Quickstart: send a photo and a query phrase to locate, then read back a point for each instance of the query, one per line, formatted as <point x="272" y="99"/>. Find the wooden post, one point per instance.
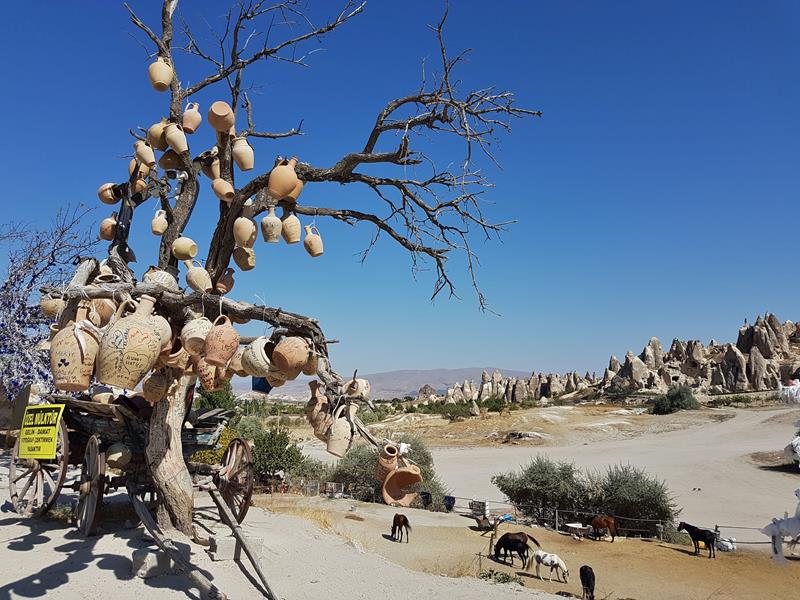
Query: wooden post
<point x="556" y="518"/>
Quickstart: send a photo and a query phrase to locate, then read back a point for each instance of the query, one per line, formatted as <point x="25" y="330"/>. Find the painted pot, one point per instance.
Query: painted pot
<point x="254" y="358"/>
<point x="387" y="461"/>
<point x="225" y="282"/>
<point x="178" y="358"/>
<point x="244" y="232"/>
<point x="290" y="227"/>
<point x="155" y="386"/>
<point x="394" y="486"/>
<point x="245" y="258"/>
<point x="108" y="227"/>
<point x="341" y="435"/>
<point x="235" y="364"/>
<point x="243" y="154"/>
<point x="184" y="248"/>
<point x="72" y="353"/>
<point x="206" y="373"/>
<point x="271" y="227"/>
<point x="221" y="116"/>
<point x="164" y="330"/>
<point x="155" y="135"/>
<point x="162" y="278"/>
<point x="191" y="117"/>
<point x="130" y="346"/>
<point x="176" y="138"/>
<point x="291" y="354"/>
<point x="144" y="154"/>
<point x="107" y="195"/>
<point x="193" y="335"/>
<point x="222" y="342"/>
<point x="160" y="74"/>
<point x="159" y="223"/>
<point x="170" y="160"/>
<point x="223" y="190"/>
<point x="313" y="241"/>
<point x="295" y="193"/>
<point x="282" y="179"/>
<point x="197" y="277"/>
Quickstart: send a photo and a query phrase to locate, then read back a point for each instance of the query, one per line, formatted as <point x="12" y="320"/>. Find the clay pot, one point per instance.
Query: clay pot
<point x="170" y="160"/>
<point x="72" y="353"/>
<point x="243" y="154"/>
<point x="103" y="397"/>
<point x="178" y="358"/>
<point x="162" y="278"/>
<point x="295" y="193"/>
<point x="225" y="282"/>
<point x="144" y="154"/>
<point x="290" y="227"/>
<point x="221" y="116"/>
<point x="206" y="373"/>
<point x="210" y="164"/>
<point x="191" y="117"/>
<point x="197" y="277"/>
<point x="130" y="346"/>
<point x="139" y="186"/>
<point x="223" y="190"/>
<point x="387" y="461"/>
<point x="317" y="411"/>
<point x="271" y="227"/>
<point x="313" y="241"/>
<point x="282" y="179"/>
<point x="144" y="170"/>
<point x="245" y="258"/>
<point x="106" y="194"/>
<point x="164" y="330"/>
<point x="160" y="74"/>
<point x="155" y="386"/>
<point x="395" y="484"/>
<point x="221" y="342"/>
<point x="341" y="435"/>
<point x="358" y="390"/>
<point x="193" y="335"/>
<point x="51" y="307"/>
<point x="118" y="456"/>
<point x="244" y="232"/>
<point x="159" y="223"/>
<point x="155" y="135"/>
<point x="291" y="354"/>
<point x="184" y="248"/>
<point x="108" y="227"/>
<point x="176" y="138"/>
<point x="254" y="358"/>
<point x="310" y="368"/>
<point x="104" y="310"/>
<point x="235" y="364"/>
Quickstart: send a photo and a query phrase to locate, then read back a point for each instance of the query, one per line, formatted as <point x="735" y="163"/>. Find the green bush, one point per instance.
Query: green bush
<point x="214" y="457"/>
<point x="223" y="398"/>
<point x="543" y="483"/>
<point x="679" y="397"/>
<point x="310" y="469"/>
<point x="249" y="428"/>
<point x="493" y="404"/>
<point x="274" y="451"/>
<point x="500" y="577"/>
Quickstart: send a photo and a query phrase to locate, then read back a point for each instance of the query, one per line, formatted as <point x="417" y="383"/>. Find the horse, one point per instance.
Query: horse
<point x="399" y="523"/>
<point x="604" y="522"/>
<point x="550" y="560"/>
<point x="708" y="537"/>
<point x="521" y="536"/>
<point x="587" y="582"/>
<point x="510" y="546"/>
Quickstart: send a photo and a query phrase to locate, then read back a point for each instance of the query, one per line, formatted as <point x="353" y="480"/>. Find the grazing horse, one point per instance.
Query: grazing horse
<point x="509" y="546"/>
<point x="399" y="523"/>
<point x="520" y="536"/>
<point x="587" y="582"/>
<point x="550" y="560"/>
<point x="708" y="537"/>
<point x="604" y="522"/>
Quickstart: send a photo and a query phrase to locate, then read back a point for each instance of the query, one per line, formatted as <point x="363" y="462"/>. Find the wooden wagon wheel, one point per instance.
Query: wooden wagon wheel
<point x="92" y="485"/>
<point x="237" y="476"/>
<point x="33" y="483"/>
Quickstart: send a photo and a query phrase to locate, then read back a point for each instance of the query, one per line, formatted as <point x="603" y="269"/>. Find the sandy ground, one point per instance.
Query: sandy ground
<point x="50" y="558"/>
<point x="632" y="569"/>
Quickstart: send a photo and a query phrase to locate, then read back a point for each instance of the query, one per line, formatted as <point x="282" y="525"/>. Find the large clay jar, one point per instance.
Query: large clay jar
<point x="313" y="241"/>
<point x="170" y="160"/>
<point x="243" y="154"/>
<point x="159" y="223"/>
<point x="106" y="194"/>
<point x="245" y="258"/>
<point x="162" y="278"/>
<point x="295" y="193"/>
<point x="160" y="74"/>
<point x="176" y="138"/>
<point x="254" y="358"/>
<point x="394" y="486"/>
<point x="155" y="386"/>
<point x="341" y="434"/>
<point x="225" y="281"/>
<point x="271" y="227"/>
<point x="221" y="342"/>
<point x="130" y="347"/>
<point x="387" y="461"/>
<point x="221" y="116"/>
<point x="291" y="354"/>
<point x="290" y="227"/>
<point x="184" y="248"/>
<point x="206" y="373"/>
<point x="144" y="154"/>
<point x="244" y="232"/>
<point x="223" y="190"/>
<point x="282" y="179"/>
<point x="155" y="135"/>
<point x="191" y="117"/>
<point x="72" y="353"/>
<point x="193" y="335"/>
<point x="102" y="311"/>
<point x="197" y="277"/>
<point x="108" y="227"/>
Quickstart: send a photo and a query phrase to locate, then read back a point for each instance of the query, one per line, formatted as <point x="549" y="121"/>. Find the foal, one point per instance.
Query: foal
<point x="399" y="523"/>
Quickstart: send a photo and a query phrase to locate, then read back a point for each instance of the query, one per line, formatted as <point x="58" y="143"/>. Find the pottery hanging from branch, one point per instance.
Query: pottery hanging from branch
<point x="72" y="353"/>
<point x="313" y="241"/>
<point x="197" y="277"/>
<point x="271" y="227"/>
<point x="162" y="278"/>
<point x="243" y="154"/>
<point x="282" y="179"/>
<point x="221" y="116"/>
<point x="159" y="223"/>
<point x="291" y="353"/>
<point x="193" y="335"/>
<point x="245" y="258"/>
<point x="184" y="248"/>
<point x="108" y="227"/>
<point x="191" y="117"/>
<point x="254" y="358"/>
<point x="160" y="74"/>
<point x="210" y="166"/>
<point x="164" y="331"/>
<point x="169" y="161"/>
<point x="221" y="342"/>
<point x="156" y="137"/>
<point x="225" y="281"/>
<point x="290" y="227"/>
<point x="235" y="363"/>
<point x="176" y="138"/>
<point x="144" y="153"/>
<point x="223" y="190"/>
<point x="107" y="194"/>
<point x="144" y="170"/>
<point x="244" y="232"/>
<point x="295" y="193"/>
<point x="155" y="387"/>
<point x="341" y="431"/>
<point x="206" y="373"/>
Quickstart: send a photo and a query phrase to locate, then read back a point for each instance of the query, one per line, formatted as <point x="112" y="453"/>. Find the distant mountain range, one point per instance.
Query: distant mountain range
<point x="394" y="384"/>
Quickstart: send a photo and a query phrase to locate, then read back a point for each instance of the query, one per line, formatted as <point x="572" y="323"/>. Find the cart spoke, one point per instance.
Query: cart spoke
<point x="49" y="480"/>
<point x="18" y="477"/>
<point x="39" y="488"/>
<point x="27" y="486"/>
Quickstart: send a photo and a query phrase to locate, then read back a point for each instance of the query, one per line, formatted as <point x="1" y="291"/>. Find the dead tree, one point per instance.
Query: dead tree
<point x="431" y="212"/>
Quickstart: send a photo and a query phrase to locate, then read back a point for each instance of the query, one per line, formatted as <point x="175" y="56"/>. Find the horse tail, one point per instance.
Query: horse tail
<point x="533" y="539"/>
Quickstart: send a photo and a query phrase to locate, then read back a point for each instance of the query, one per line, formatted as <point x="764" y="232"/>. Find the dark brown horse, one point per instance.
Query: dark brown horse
<point x="604" y="522"/>
<point x="514" y="542"/>
<point x="399" y="523"/>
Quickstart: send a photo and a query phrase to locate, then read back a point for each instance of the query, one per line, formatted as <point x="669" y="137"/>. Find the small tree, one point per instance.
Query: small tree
<point x="679" y="397"/>
<point x="275" y="452"/>
<point x="223" y="398"/>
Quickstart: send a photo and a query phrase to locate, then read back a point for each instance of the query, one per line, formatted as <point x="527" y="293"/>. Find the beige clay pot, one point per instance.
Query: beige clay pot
<point x="108" y="227"/>
<point x="162" y="278"/>
<point x="341" y="434"/>
<point x="295" y="193"/>
<point x="221" y="116"/>
<point x="155" y="386"/>
<point x="271" y="227"/>
<point x="191" y="117"/>
<point x="313" y="241"/>
<point x="144" y="154"/>
<point x="155" y="135"/>
<point x="245" y="258"/>
<point x="106" y="194"/>
<point x="394" y="486"/>
<point x="254" y="358"/>
<point x="282" y="179"/>
<point x="210" y="163"/>
<point x="221" y="342"/>
<point x="159" y="223"/>
<point x="387" y="461"/>
<point x="225" y="282"/>
<point x="72" y="354"/>
<point x="244" y="232"/>
<point x="291" y="354"/>
<point x="184" y="248"/>
<point x="176" y="138"/>
<point x="170" y="160"/>
<point x="144" y="170"/>
<point x="243" y="154"/>
<point x="197" y="277"/>
<point x="223" y="190"/>
<point x="193" y="335"/>
<point x="160" y="74"/>
<point x="290" y="228"/>
<point x="51" y="307"/>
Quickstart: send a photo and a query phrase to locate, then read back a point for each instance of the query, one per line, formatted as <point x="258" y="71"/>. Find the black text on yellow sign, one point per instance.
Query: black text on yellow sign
<point x="39" y="433"/>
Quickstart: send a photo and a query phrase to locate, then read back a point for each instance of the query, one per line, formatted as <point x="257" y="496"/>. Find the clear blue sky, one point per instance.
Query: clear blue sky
<point x="657" y="196"/>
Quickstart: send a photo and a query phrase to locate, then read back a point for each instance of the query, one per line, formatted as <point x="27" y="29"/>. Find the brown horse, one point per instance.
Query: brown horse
<point x="604" y="522"/>
<point x="399" y="523"/>
<point x="513" y="542"/>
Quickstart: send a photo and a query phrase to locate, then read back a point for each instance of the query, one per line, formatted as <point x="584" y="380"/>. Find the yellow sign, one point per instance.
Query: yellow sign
<point x="37" y="438"/>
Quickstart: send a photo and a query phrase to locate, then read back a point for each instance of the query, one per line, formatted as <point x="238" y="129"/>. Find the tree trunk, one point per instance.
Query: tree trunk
<point x="165" y="460"/>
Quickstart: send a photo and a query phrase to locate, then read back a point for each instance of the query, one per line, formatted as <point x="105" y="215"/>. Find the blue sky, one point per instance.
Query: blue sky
<point x="657" y="195"/>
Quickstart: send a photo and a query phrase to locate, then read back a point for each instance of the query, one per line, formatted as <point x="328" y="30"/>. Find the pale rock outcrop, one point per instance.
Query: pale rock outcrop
<point x="653" y="354"/>
<point x="614" y="364"/>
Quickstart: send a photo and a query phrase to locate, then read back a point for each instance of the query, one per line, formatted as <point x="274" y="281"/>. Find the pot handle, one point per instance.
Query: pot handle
<point x="121" y="309"/>
<point x="224" y="318"/>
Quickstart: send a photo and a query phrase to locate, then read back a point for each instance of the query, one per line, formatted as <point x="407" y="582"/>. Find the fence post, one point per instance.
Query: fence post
<point x="556" y="518"/>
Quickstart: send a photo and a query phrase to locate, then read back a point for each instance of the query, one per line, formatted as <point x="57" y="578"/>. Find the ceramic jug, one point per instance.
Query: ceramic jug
<point x="160" y="74"/>
<point x="193" y="335"/>
<point x="310" y="368"/>
<point x="225" y="282"/>
<point x="178" y="357"/>
<point x="51" y="307"/>
<point x="235" y="364"/>
<point x="396" y="483"/>
<point x="170" y="160"/>
<point x="244" y="232"/>
<point x="197" y="277"/>
<point x="313" y="241"/>
<point x="164" y="330"/>
<point x="254" y="358"/>
<point x="210" y="163"/>
<point x="271" y="227"/>
<point x="290" y="227"/>
<point x="159" y="223"/>
<point x="107" y="195"/>
<point x="221" y="116"/>
<point x="221" y="342"/>
<point x="184" y="248"/>
<point x="155" y="135"/>
<point x="291" y="354"/>
<point x="341" y="433"/>
<point x="108" y="227"/>
<point x="243" y="154"/>
<point x="162" y="278"/>
<point x="245" y="258"/>
<point x="387" y="461"/>
<point x="144" y="154"/>
<point x="191" y="117"/>
<point x="282" y="179"/>
<point x="176" y="138"/>
<point x="144" y="170"/>
<point x="104" y="310"/>
<point x="206" y="373"/>
<point x="72" y="353"/>
<point x="223" y="190"/>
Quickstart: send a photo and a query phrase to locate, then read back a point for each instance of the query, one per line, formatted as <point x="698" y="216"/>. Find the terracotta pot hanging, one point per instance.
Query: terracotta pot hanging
<point x="243" y="154"/>
<point x="221" y="116"/>
<point x="162" y="278"/>
<point x="254" y="358"/>
<point x="245" y="258"/>
<point x="144" y="153"/>
<point x="170" y="160"/>
<point x="290" y="227"/>
<point x="176" y="138"/>
<point x="313" y="241"/>
<point x="108" y="227"/>
<point x="156" y="137"/>
<point x="51" y="307"/>
<point x="225" y="281"/>
<point x="244" y="232"/>
<point x="223" y="190"/>
<point x="197" y="277"/>
<point x="387" y="461"/>
<point x="282" y="179"/>
<point x="184" y="248"/>
<point x="159" y="223"/>
<point x="341" y="432"/>
<point x="210" y="163"/>
<point x="106" y="194"/>
<point x="144" y="170"/>
<point x="155" y="387"/>
<point x="396" y="483"/>
<point x="291" y="353"/>
<point x="221" y="342"/>
<point x="72" y="353"/>
<point x="193" y="335"/>
<point x="160" y="74"/>
<point x="235" y="364"/>
<point x="295" y="193"/>
<point x="191" y="117"/>
<point x="271" y="227"/>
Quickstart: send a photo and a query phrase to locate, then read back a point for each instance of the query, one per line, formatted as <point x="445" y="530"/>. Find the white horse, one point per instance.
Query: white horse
<point x="549" y="560"/>
<point x="782" y="528"/>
